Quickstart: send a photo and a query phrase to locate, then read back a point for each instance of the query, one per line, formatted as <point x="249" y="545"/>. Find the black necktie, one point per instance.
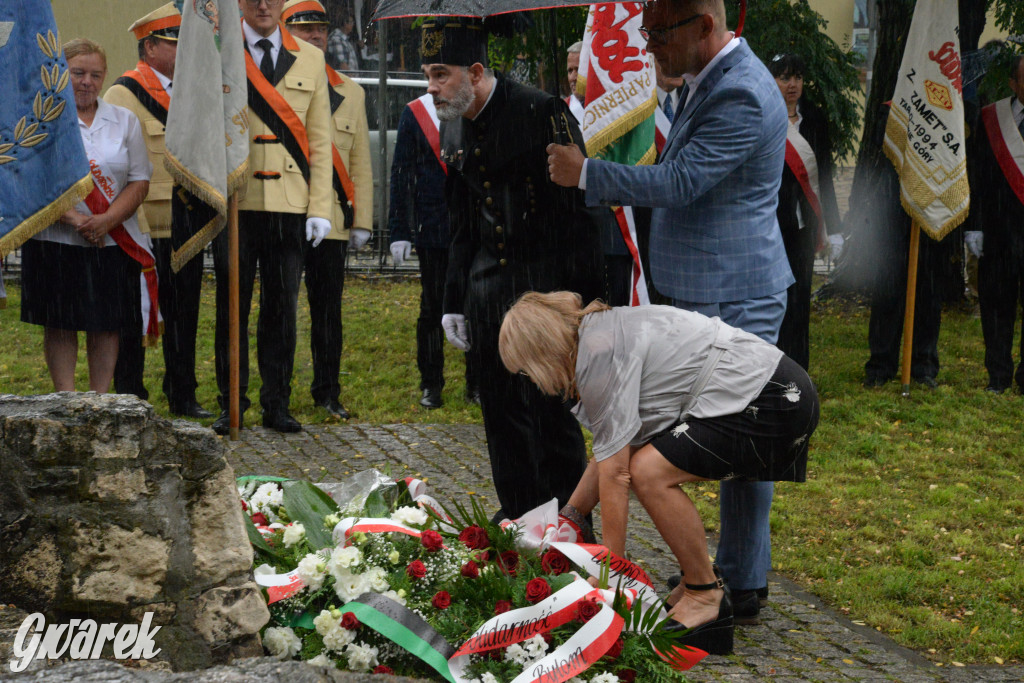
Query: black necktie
<point x="267" y="63"/>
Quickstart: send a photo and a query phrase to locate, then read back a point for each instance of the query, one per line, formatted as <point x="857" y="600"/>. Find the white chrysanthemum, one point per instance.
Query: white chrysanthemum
<point x="517" y="655"/>
<point x="488" y="677"/>
<point x="321" y="660"/>
<point x="537" y="647"/>
<point x="338" y="638"/>
<point x="349" y="586"/>
<point x="324" y="622"/>
<point x="293" y="534"/>
<point x="792" y="393"/>
<point x="397" y="597"/>
<point x="680" y="429"/>
<point x="312" y="570"/>
<point x="605" y="678"/>
<point x="264" y="570"/>
<point x="377" y="580"/>
<point x="267" y="496"/>
<point x="361" y="657"/>
<point x="343" y="558"/>
<point x="281" y="642"/>
<point x="410" y="515"/>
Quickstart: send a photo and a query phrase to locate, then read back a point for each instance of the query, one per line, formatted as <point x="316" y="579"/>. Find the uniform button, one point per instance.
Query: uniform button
<point x="503" y="262"/>
<point x="501" y="245"/>
<point x="498" y="229"/>
<point x="487" y="184"/>
<point x="529" y="179"/>
<point x="476" y="152"/>
<point x="483" y="169"/>
<point x="488" y="201"/>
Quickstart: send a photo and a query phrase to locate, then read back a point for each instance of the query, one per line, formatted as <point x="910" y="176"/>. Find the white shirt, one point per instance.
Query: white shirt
<point x="695" y="81"/>
<point x="674" y="94"/>
<point x="164" y="81"/>
<point x="1017" y="109"/>
<point x="114" y="139"/>
<point x="251" y="38"/>
<point x="636" y="366"/>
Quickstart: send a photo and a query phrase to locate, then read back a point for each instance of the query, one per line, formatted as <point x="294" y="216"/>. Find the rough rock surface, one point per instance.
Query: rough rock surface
<point x="110" y="511"/>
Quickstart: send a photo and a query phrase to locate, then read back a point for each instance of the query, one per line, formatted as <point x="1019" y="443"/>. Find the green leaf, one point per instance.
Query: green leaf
<point x="259" y="543"/>
<point x="308" y="505"/>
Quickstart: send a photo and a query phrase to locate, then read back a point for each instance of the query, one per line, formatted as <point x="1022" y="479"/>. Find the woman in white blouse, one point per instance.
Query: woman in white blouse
<point x="75" y="276"/>
<point x="671" y="397"/>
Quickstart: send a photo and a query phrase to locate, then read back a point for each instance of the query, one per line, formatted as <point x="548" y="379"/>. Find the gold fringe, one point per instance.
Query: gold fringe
<point x="621" y="126"/>
<point x="150" y="340"/>
<point x="238" y="178"/>
<point x="649" y="156"/>
<point x="196" y="185"/>
<point x="45" y="216"/>
<point x="196" y="243"/>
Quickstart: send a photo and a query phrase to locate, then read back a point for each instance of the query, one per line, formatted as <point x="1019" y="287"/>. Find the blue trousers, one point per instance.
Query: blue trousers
<point x="744" y="545"/>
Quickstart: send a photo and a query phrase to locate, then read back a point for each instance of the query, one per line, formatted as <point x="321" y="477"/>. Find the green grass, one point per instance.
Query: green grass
<point x="912" y="518"/>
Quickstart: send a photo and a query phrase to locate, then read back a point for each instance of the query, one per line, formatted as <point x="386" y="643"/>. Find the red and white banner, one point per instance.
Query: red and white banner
<point x="1007" y="144"/>
<point x="426" y="115"/>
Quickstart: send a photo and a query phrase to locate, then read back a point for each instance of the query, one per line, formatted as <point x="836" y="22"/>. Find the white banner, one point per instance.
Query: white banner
<point x="924" y="136"/>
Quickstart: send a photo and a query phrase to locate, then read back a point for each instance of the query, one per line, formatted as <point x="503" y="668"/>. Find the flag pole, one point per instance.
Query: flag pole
<point x="908" y="317"/>
<point x="233" y="338"/>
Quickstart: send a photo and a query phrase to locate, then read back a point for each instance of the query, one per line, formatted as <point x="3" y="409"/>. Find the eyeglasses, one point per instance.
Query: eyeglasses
<point x="269" y="3"/>
<point x="660" y="35"/>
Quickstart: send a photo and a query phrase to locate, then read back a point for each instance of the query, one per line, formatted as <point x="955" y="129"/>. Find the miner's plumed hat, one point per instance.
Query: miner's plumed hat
<point x="303" y="12"/>
<point x="458" y="41"/>
<point x="163" y="22"/>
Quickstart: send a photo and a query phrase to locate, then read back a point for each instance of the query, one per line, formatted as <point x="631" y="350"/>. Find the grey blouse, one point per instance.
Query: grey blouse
<point x="637" y="366"/>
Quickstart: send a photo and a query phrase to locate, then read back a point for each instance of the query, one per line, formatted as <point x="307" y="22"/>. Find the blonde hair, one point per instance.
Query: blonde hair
<point x="540" y="337"/>
<point x="83" y="46"/>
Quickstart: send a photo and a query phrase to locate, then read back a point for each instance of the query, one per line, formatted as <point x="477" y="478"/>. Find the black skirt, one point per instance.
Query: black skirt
<point x="766" y="441"/>
<point x="69" y="287"/>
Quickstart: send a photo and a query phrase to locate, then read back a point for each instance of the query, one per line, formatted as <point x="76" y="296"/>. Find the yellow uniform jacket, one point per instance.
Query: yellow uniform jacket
<point x="352" y="139"/>
<point x="276" y="182"/>
<point x="155" y="214"/>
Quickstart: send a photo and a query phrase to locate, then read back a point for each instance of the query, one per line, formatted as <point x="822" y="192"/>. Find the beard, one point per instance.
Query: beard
<point x="451" y="109"/>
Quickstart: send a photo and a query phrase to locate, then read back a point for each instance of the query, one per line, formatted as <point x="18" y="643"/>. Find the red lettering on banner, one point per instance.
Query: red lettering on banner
<point x="949" y="64"/>
<point x="611" y="42"/>
<point x="102" y="181"/>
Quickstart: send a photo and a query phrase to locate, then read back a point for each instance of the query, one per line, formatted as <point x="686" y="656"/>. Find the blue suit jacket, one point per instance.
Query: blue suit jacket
<point x="714" y="233"/>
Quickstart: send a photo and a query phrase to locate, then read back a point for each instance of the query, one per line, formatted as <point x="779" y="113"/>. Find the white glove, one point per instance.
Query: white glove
<point x="454" y="326"/>
<point x="835" y="243"/>
<point x="357" y="237"/>
<point x="317" y="229"/>
<point x="400" y="252"/>
<point x="974" y="239"/>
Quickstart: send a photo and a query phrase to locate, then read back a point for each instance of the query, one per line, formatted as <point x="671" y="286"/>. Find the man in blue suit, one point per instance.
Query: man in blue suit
<point x="715" y="244"/>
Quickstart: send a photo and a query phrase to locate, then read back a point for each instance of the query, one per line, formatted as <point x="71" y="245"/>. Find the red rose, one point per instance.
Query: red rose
<point x="554" y="562"/>
<point x="586" y="610"/>
<point x="481" y="558"/>
<point x="536" y="590"/>
<point x="615" y="650"/>
<point x="260" y="519"/>
<point x="442" y="600"/>
<point x="509" y="561"/>
<point x="416" y="569"/>
<point x="474" y="537"/>
<point x="431" y="540"/>
<point x="470" y="570"/>
<point x="626" y="675"/>
<point x="381" y="669"/>
<point x="245" y="507"/>
<point x="497" y="654"/>
<point x="501" y="607"/>
<point x="350" y="621"/>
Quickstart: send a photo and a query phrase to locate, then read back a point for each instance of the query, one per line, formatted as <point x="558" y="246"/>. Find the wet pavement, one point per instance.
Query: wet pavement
<point x="798" y="639"/>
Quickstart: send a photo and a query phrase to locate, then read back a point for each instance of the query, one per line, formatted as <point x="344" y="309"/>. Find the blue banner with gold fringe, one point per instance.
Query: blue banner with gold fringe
<point x="43" y="167"/>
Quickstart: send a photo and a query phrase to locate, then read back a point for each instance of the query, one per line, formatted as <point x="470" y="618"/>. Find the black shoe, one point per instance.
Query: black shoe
<point x="872" y="381"/>
<point x="222" y="425"/>
<point x="714" y="637"/>
<point x="281" y="421"/>
<point x="996" y="388"/>
<point x="334" y="408"/>
<point x="928" y="382"/>
<point x="431" y="398"/>
<point x="676" y="579"/>
<point x="473" y="395"/>
<point x="191" y="409"/>
<point x="746" y="607"/>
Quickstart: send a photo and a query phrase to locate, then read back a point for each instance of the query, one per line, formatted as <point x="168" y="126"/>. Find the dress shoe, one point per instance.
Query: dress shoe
<point x="928" y="382"/>
<point x="872" y="381"/>
<point x="281" y="421"/>
<point x="431" y="398"/>
<point x="222" y="425"/>
<point x="996" y="388"/>
<point x="191" y="409"/>
<point x="746" y="607"/>
<point x="714" y="637"/>
<point x="334" y="408"/>
<point x="473" y="395"/>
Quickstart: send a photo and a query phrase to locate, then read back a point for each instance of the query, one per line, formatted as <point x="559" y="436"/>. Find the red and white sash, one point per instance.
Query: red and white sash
<point x="1007" y="143"/>
<point x="801" y="161"/>
<point x="662" y="126"/>
<point x="131" y="240"/>
<point x="426" y="115"/>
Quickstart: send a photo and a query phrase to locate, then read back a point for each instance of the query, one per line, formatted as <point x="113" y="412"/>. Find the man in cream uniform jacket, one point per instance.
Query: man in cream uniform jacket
<point x="287" y="202"/>
<point x="146" y="92"/>
<point x="350" y="226"/>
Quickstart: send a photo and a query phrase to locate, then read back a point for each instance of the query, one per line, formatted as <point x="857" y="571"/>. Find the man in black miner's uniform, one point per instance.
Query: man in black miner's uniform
<point x="513" y="231"/>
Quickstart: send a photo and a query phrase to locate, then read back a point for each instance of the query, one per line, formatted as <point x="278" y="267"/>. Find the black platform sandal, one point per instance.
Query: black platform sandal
<point x="677" y="579"/>
<point x="714" y="637"/>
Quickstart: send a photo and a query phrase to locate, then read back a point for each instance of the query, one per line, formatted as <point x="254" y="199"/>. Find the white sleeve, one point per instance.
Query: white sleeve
<point x="139" y="166"/>
<point x="608" y="379"/>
